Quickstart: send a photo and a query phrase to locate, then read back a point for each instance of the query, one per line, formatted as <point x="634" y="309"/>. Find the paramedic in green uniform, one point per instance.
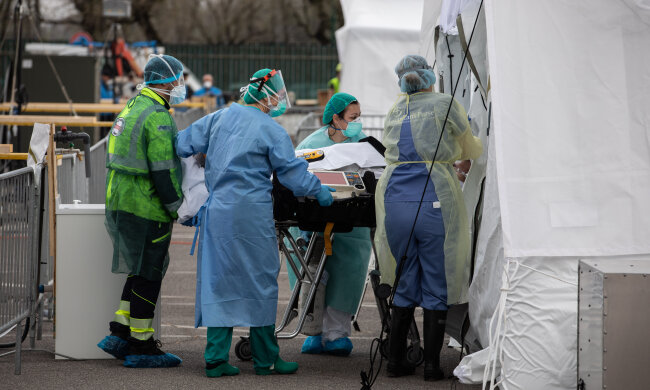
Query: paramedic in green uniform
<point x="143" y="193"/>
<point x="347" y="268"/>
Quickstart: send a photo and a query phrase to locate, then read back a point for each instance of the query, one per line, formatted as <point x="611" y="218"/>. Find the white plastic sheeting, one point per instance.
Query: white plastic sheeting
<point x="571" y="91"/>
<point x="568" y="171"/>
<point x="376" y="35"/>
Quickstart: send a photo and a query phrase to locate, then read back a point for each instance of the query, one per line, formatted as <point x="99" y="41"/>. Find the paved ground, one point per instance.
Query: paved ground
<point x="39" y="369"/>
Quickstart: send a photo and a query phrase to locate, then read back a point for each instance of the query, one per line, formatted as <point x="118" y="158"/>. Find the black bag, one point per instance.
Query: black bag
<point x="346" y="214"/>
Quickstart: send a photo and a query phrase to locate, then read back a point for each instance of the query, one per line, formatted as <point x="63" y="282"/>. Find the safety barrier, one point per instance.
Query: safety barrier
<point x="19" y="235"/>
<point x="373" y="125"/>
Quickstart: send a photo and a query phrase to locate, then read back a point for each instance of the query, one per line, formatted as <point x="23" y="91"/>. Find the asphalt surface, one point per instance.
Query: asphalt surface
<point x="41" y="370"/>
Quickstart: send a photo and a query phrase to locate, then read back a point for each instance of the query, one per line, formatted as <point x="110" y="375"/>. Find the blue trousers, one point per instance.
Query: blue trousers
<point x="422" y="282"/>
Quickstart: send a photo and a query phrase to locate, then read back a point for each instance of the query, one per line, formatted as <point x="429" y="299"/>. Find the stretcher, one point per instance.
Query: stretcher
<point x="307" y="257"/>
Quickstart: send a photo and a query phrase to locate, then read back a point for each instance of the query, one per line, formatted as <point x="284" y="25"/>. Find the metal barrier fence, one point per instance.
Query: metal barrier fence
<point x="373" y="125"/>
<point x="97" y="179"/>
<point x="306" y="68"/>
<point x="19" y="235"/>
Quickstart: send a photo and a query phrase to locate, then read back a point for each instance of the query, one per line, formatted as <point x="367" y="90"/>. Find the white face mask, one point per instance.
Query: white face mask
<point x="177" y="94"/>
<point x="207" y="84"/>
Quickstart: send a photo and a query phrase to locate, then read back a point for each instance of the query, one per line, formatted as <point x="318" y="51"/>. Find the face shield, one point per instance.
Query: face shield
<point x="269" y="91"/>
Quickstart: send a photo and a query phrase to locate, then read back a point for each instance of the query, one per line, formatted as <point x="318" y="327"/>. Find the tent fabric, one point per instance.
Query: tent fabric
<point x="375" y="36"/>
<point x="567" y="169"/>
<point x="572" y="126"/>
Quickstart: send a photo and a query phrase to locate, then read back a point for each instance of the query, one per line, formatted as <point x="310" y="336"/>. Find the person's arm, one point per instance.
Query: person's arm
<point x="471" y="147"/>
<point x="196" y="137"/>
<point x="292" y="171"/>
<point x="164" y="166"/>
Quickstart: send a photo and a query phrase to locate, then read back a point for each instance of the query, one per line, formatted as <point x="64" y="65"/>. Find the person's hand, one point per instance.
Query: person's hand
<point x="324" y="197"/>
<point x="461" y="168"/>
<point x="191" y="221"/>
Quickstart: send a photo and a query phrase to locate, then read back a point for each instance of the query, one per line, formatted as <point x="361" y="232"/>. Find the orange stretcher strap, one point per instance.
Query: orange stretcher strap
<point x="328" y="242"/>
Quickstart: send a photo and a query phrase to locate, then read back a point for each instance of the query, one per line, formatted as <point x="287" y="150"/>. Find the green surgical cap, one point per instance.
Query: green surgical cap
<point x="337" y="103"/>
<point x="275" y="83"/>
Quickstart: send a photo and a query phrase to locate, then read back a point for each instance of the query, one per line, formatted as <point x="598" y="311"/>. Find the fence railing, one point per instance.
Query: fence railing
<point x="373" y="125"/>
<point x="19" y="227"/>
<point x="18" y="245"/>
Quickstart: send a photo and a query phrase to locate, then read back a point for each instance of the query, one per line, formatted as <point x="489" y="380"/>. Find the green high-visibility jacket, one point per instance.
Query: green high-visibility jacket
<point x="144" y="173"/>
<point x="143" y="186"/>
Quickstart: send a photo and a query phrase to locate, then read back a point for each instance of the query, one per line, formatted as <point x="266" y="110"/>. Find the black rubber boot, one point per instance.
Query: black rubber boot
<point x="434" y="335"/>
<point x="119" y="330"/>
<point x="399" y="327"/>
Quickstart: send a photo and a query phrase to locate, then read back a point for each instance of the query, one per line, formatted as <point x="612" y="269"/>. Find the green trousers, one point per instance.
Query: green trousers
<point x="264" y="345"/>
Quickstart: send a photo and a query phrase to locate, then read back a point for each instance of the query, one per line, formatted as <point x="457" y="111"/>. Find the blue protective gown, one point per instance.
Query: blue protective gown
<point x="238" y="260"/>
<point x="348" y="265"/>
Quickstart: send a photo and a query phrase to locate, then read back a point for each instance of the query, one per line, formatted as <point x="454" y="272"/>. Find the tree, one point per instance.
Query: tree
<point x="211" y="21"/>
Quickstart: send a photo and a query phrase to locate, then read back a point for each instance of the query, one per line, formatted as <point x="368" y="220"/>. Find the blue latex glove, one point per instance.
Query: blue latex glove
<point x="324" y="197"/>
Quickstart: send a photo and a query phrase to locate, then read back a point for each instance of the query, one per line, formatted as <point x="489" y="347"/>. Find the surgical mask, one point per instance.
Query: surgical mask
<point x="177" y="95"/>
<point x="278" y="110"/>
<point x="207" y="84"/>
<point x="354" y="128"/>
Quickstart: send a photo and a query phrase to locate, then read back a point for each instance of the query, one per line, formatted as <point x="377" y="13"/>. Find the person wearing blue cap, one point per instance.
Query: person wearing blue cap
<point x="238" y="260"/>
<point x="424" y="134"/>
<point x="347" y="268"/>
<point x="143" y="193"/>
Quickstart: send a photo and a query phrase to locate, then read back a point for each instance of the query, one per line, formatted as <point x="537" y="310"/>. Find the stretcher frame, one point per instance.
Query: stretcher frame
<point x="415" y="353"/>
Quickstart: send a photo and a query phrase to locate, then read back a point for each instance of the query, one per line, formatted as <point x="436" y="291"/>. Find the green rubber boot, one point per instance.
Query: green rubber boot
<point x="220" y="369"/>
<point x="216" y="353"/>
<point x="279" y="367"/>
<point x="265" y="349"/>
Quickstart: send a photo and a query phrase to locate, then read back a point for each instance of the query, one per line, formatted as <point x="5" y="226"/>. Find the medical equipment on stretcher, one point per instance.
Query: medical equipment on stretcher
<point x="346" y="183"/>
<point x="357" y="209"/>
<point x="314" y="155"/>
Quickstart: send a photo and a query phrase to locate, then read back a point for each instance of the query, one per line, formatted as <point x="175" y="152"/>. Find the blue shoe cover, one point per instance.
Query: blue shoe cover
<point x="312" y="345"/>
<point x="152" y="361"/>
<point x="115" y="346"/>
<point x="339" y="347"/>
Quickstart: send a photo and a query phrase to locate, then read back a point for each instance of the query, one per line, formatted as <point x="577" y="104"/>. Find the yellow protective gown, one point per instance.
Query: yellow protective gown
<point x="427" y="112"/>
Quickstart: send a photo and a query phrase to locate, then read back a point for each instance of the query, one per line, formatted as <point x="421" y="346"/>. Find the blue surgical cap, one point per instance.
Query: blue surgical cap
<point x="414" y="74"/>
<point x="162" y="69"/>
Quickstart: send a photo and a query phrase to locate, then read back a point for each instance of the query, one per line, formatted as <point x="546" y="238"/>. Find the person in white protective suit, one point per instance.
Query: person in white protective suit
<point x="434" y="259"/>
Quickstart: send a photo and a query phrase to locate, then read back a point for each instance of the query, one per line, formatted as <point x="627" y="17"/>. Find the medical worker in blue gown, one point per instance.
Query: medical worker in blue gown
<point x="348" y="266"/>
<point x="436" y="265"/>
<point x="238" y="261"/>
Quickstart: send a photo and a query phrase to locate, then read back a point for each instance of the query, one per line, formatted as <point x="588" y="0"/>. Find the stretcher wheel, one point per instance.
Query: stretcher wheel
<point x="415" y="356"/>
<point x="243" y="349"/>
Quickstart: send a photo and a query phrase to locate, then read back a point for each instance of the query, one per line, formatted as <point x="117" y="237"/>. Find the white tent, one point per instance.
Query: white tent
<point x="567" y="169"/>
<point x="376" y="34"/>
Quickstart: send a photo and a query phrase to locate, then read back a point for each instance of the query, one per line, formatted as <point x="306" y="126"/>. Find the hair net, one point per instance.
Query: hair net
<point x="275" y="83"/>
<point x="162" y="69"/>
<point x="414" y="73"/>
<point x="337" y="103"/>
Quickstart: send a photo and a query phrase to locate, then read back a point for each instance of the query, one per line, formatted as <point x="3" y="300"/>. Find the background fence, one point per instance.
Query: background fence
<point x="305" y="68"/>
